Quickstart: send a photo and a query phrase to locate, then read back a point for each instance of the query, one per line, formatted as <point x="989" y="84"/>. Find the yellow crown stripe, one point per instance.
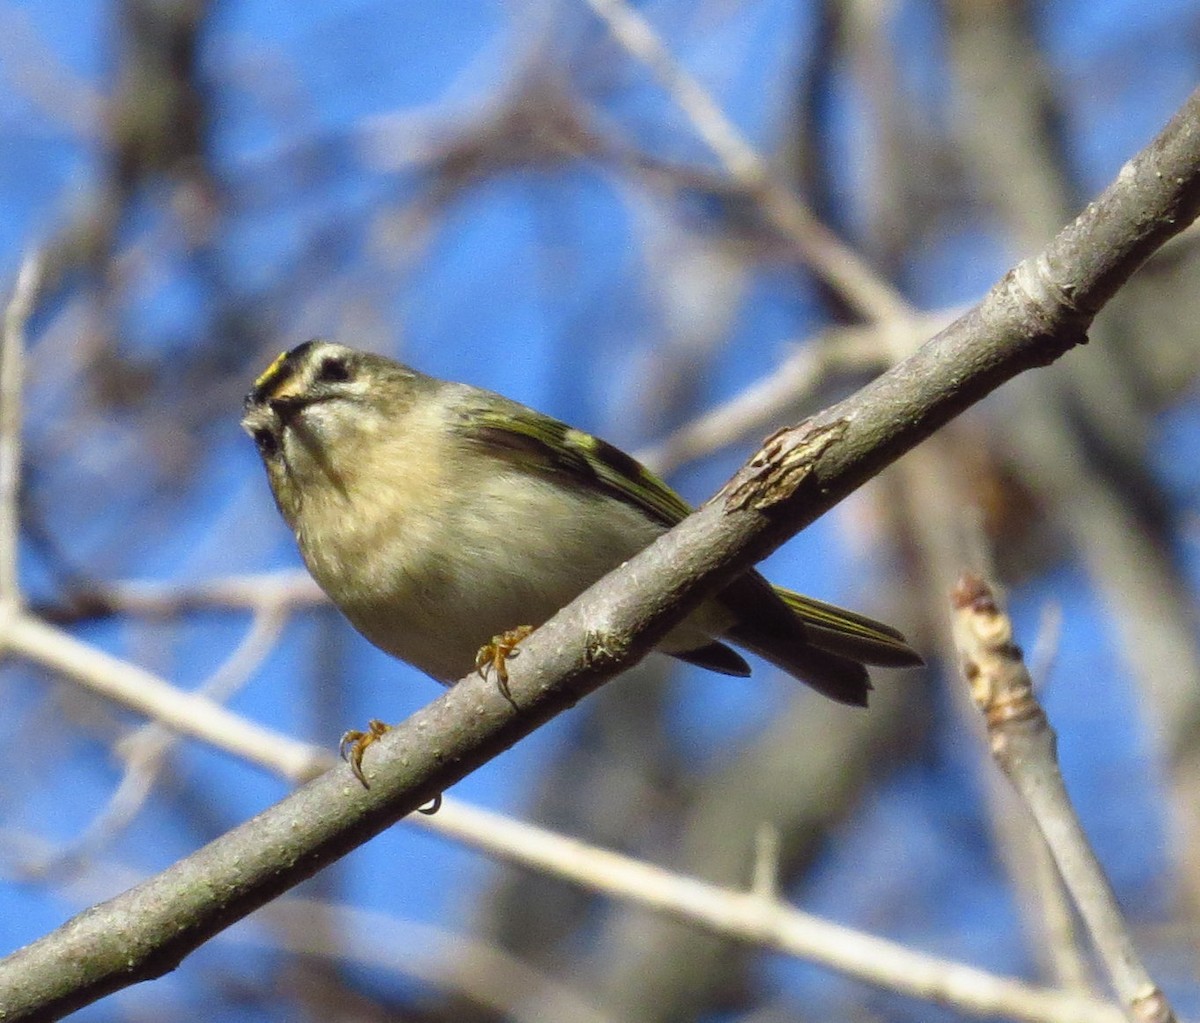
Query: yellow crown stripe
<point x="269" y="374"/>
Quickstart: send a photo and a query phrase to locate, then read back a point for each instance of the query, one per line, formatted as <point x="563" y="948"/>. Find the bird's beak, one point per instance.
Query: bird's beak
<point x="285" y="405"/>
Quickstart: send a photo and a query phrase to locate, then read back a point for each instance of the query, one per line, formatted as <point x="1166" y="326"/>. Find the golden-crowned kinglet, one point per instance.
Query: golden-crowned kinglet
<point x="438" y="516"/>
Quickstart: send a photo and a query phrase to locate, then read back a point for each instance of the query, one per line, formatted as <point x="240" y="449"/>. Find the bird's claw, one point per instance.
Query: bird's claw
<point x="354" y="744"/>
<point x="494" y="656"/>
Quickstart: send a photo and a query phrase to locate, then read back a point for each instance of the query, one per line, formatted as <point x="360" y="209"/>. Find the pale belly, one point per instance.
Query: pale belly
<point x="501" y="565"/>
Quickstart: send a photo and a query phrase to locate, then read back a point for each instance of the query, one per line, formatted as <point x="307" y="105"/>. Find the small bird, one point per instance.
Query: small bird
<point x="445" y="521"/>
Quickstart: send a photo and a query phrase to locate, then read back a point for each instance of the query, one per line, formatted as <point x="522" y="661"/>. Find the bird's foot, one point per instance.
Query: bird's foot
<point x="494" y="656"/>
<point x="354" y="744"/>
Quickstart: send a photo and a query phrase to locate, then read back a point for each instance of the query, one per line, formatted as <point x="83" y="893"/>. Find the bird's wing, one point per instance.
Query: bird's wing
<point x="538" y="444"/>
<point x="552" y="449"/>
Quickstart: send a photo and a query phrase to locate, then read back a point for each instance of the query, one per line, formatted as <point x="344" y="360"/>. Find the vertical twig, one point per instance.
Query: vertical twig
<point x="1061" y="938"/>
<point x="764" y="879"/>
<point x="12" y="357"/>
<point x="1025" y="747"/>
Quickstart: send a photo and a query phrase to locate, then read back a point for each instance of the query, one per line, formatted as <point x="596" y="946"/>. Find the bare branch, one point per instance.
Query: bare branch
<point x="186" y="712"/>
<point x="12" y="357"/>
<point x="490" y="977"/>
<point x="263" y="593"/>
<point x="1025" y="747"/>
<point x="775" y="398"/>
<point x="145" y="750"/>
<point x="758" y="917"/>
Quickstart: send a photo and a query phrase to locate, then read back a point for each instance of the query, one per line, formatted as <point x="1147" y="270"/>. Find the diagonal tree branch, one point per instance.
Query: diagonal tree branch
<point x="1036" y="313"/>
<point x="704" y="906"/>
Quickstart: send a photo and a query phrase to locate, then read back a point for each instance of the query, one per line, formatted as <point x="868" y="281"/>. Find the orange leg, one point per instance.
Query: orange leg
<point x="354" y="744"/>
<point x="495" y="655"/>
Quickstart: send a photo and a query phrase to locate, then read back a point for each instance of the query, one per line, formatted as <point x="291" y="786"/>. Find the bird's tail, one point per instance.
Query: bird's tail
<point x="821" y="644"/>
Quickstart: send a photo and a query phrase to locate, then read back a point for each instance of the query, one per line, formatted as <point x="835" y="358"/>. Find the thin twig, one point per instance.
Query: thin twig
<point x="185" y="712"/>
<point x="257" y="592"/>
<point x="145" y="750"/>
<point x="794" y="383"/>
<point x="1063" y="943"/>
<point x="1043" y="901"/>
<point x="764" y="878"/>
<point x="767" y="922"/>
<point x="12" y="357"/>
<point x="1025" y="747"/>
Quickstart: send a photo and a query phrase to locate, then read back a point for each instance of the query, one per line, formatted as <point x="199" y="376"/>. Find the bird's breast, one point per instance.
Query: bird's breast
<point x="431" y="575"/>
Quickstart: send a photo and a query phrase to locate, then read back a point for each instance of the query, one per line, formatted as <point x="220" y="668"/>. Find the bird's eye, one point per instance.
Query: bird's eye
<point x="333" y="371"/>
<point x="268" y="443"/>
